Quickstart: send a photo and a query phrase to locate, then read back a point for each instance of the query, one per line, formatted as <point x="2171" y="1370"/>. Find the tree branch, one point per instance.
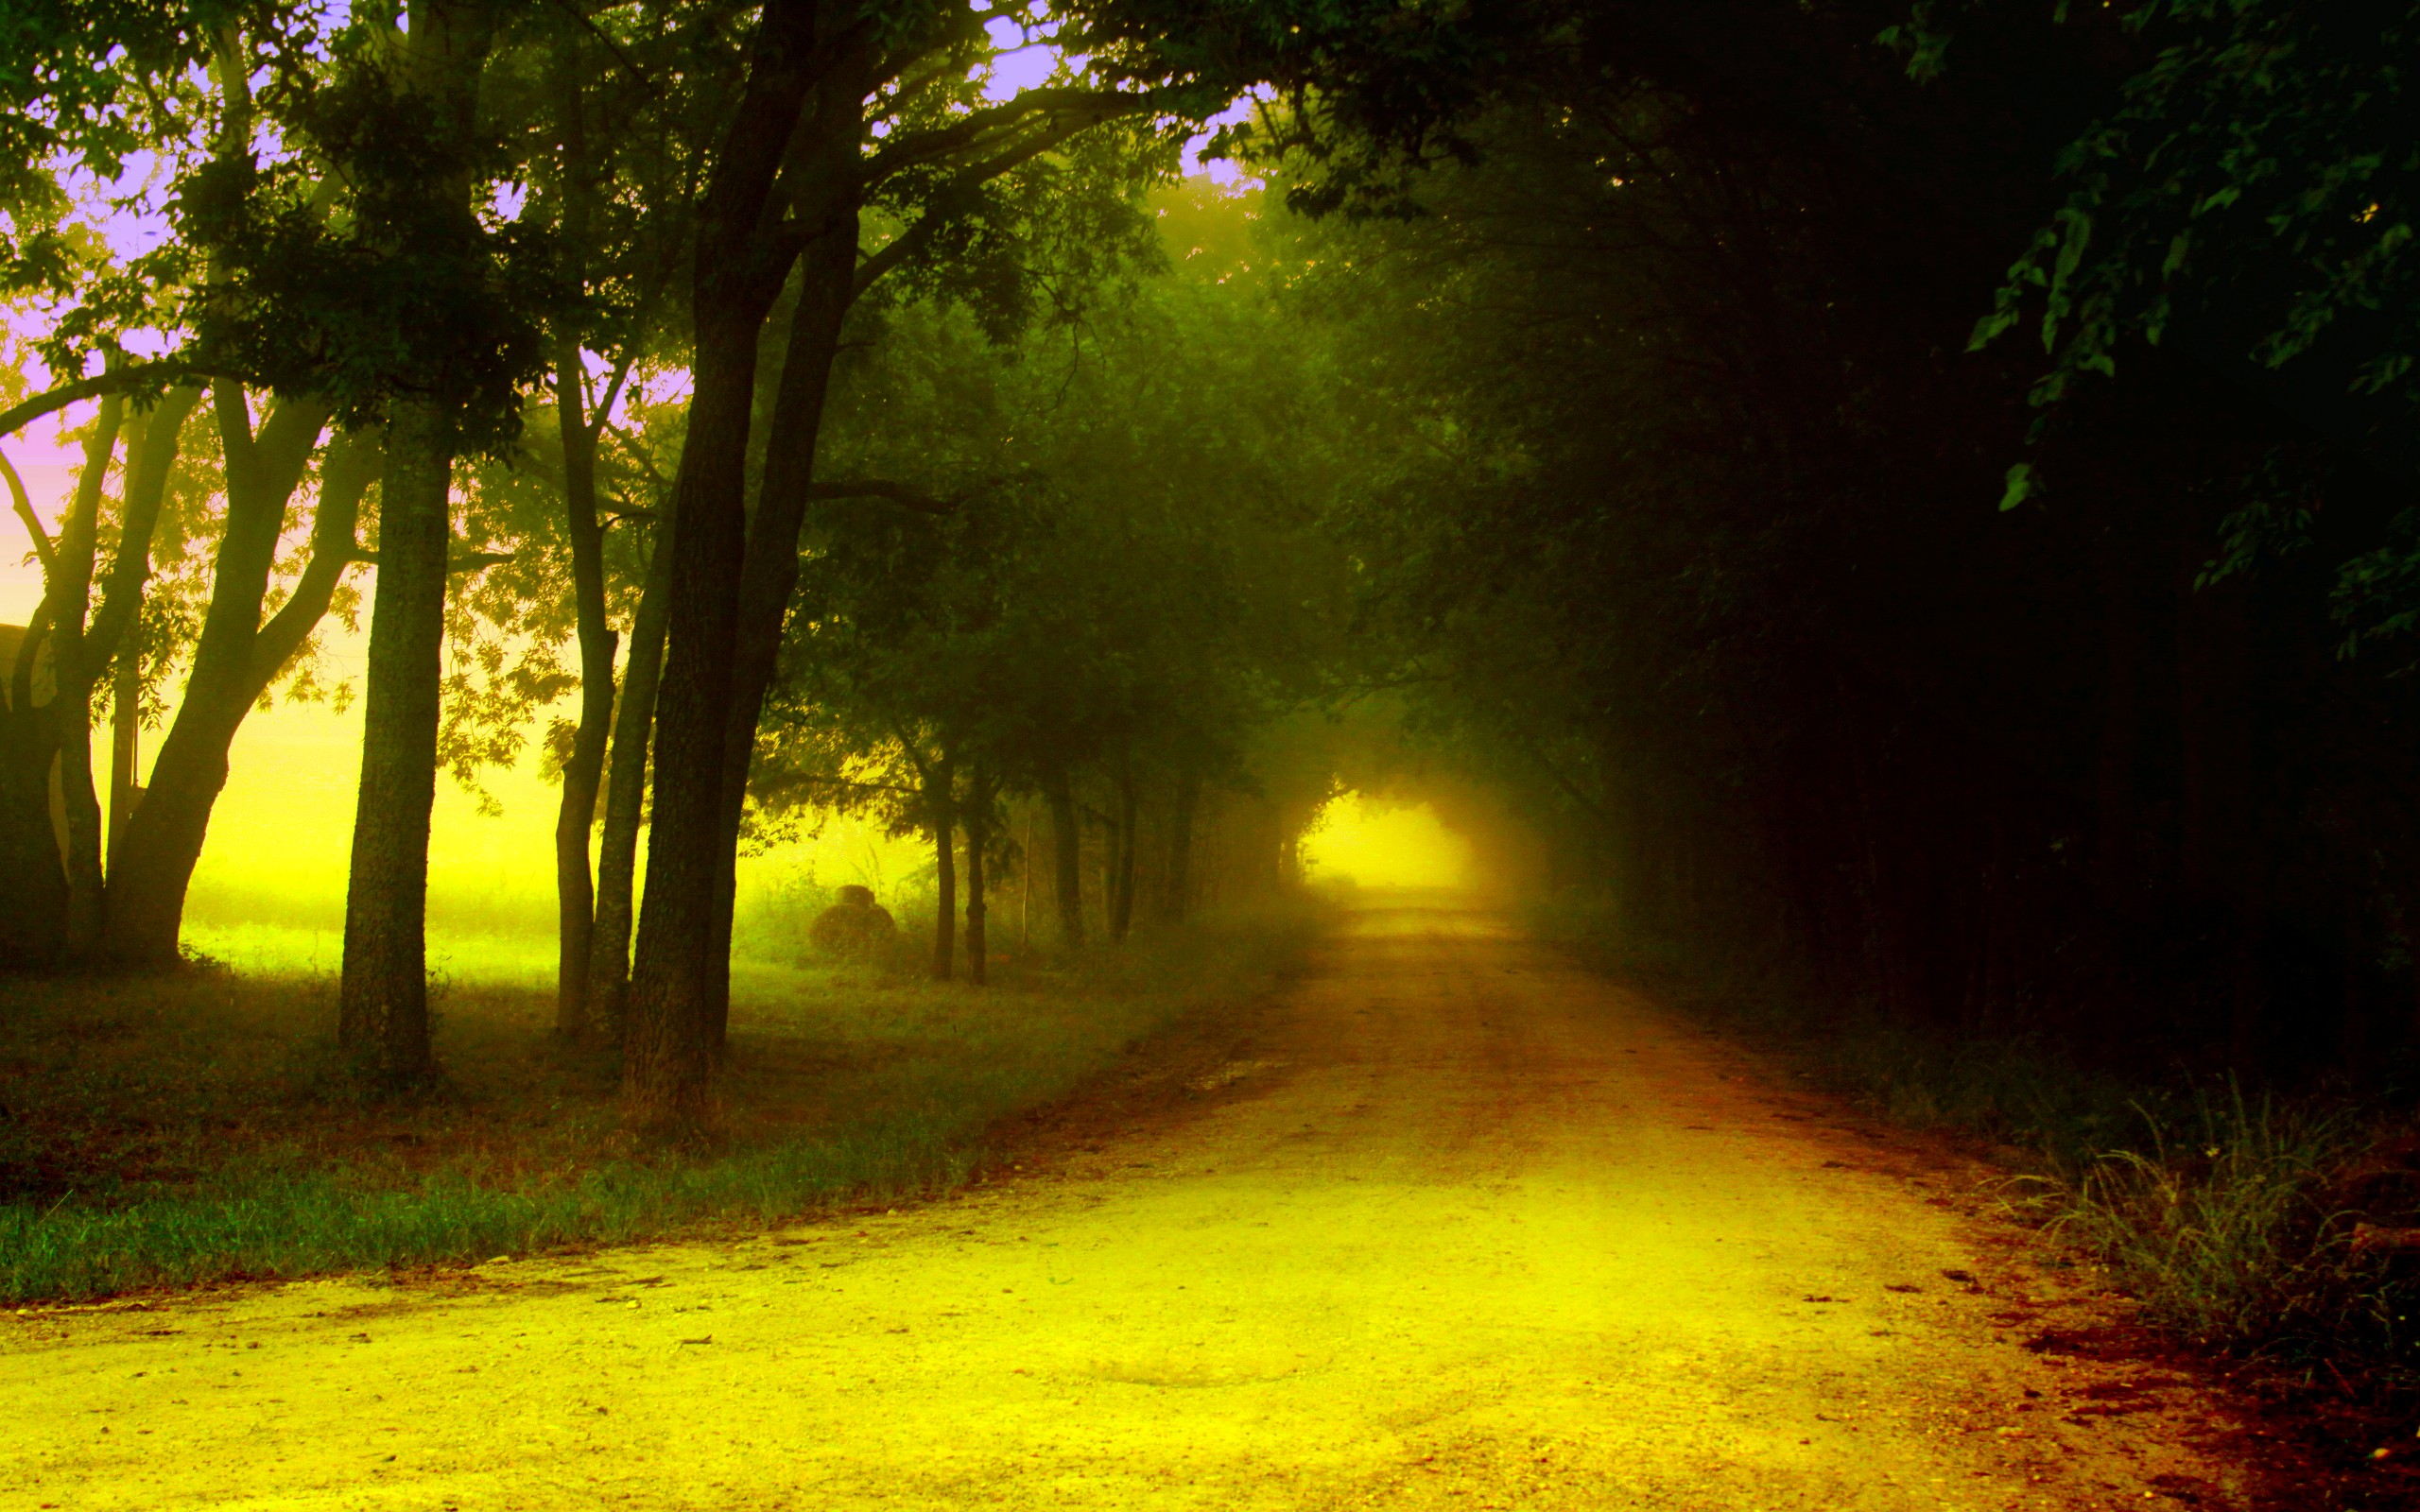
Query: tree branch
<point x="970" y="130"/>
<point x="907" y="243"/>
<point x="352" y="464"/>
<point x="638" y="452"/>
<point x="44" y="551"/>
<point x="116" y="381"/>
<point x="21" y="676"/>
<point x="147" y="465"/>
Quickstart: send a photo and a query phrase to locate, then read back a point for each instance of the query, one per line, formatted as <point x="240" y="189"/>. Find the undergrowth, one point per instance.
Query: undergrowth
<point x="2240" y="1220"/>
<point x="200" y="1127"/>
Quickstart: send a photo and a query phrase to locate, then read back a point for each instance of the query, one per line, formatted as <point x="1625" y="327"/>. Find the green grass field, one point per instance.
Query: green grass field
<point x="167" y="1131"/>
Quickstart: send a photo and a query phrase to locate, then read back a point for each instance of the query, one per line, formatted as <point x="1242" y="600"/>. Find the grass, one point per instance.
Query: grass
<point x="2231" y="1216"/>
<point x="2233" y="1225"/>
<point x="200" y="1127"/>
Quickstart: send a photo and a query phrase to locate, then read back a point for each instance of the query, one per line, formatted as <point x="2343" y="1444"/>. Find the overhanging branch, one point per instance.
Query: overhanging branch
<point x="970" y="132"/>
<point x="116" y="381"/>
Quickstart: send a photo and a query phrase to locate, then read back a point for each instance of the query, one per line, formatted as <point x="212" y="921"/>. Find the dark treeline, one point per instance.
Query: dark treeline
<point x="1838" y="642"/>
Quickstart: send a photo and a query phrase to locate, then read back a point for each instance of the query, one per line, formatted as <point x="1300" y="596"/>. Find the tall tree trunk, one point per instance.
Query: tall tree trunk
<point x="978" y="825"/>
<point x="1178" y="895"/>
<point x="1121" y="902"/>
<point x="154" y="439"/>
<point x="237" y="657"/>
<point x="942" y="810"/>
<point x="769" y="576"/>
<point x="125" y="729"/>
<point x="666" y="1060"/>
<point x="70" y="599"/>
<point x="618" y="848"/>
<point x="1068" y="854"/>
<point x="742" y="259"/>
<point x="33" y="908"/>
<point x="383" y="997"/>
<point x="575" y="894"/>
<point x="85" y="651"/>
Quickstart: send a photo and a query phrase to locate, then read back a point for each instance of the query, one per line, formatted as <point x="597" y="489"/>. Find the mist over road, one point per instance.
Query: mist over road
<point x="1460" y="1225"/>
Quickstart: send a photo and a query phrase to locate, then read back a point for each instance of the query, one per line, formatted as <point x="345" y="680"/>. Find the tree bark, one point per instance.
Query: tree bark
<point x="667" y="1060"/>
<point x="769" y="574"/>
<point x="618" y="848"/>
<point x="741" y="263"/>
<point x="1174" y="901"/>
<point x="152" y="444"/>
<point x="575" y="894"/>
<point x="126" y="695"/>
<point x="978" y="837"/>
<point x="70" y="595"/>
<point x="1121" y="902"/>
<point x="237" y="657"/>
<point x="941" y="811"/>
<point x="81" y="652"/>
<point x="33" y="908"/>
<point x="383" y="997"/>
<point x="1068" y="854"/>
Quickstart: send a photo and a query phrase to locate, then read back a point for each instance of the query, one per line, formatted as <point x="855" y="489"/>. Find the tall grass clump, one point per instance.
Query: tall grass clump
<point x="2234" y="1227"/>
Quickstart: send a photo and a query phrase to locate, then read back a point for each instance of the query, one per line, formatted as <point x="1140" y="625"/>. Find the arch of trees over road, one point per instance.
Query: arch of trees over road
<point x="1915" y="494"/>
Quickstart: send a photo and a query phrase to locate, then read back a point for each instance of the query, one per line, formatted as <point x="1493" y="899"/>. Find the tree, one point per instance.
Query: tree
<point x="240" y="653"/>
<point x="944" y="164"/>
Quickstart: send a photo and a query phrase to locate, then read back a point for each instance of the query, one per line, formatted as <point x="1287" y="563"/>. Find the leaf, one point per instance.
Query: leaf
<point x="2020" y="486"/>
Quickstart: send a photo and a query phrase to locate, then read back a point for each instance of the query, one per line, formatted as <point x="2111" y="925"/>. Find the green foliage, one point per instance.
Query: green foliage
<point x="354" y="264"/>
<point x="2252" y="194"/>
<point x="1124" y="563"/>
<point x="1367" y="91"/>
<point x="2263" y="161"/>
<point x="86" y="86"/>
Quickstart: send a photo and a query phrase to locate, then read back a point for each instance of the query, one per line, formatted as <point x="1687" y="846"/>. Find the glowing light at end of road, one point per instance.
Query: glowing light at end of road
<point x="1378" y="844"/>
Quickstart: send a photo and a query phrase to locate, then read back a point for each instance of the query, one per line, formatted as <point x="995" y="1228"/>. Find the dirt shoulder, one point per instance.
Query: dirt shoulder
<point x="1451" y="1225"/>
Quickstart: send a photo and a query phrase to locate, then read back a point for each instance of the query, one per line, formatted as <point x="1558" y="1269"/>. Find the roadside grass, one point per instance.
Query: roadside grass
<point x="2237" y="1225"/>
<point x="201" y="1127"/>
<point x="2236" y="1219"/>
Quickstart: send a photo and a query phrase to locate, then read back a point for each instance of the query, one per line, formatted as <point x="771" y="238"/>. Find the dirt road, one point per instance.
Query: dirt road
<point x="1462" y="1228"/>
